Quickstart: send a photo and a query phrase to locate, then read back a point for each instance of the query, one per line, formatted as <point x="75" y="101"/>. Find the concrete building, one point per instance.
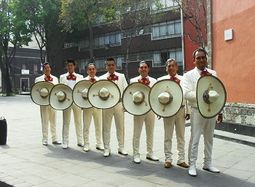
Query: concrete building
<point x="25" y="66"/>
<point x="153" y="40"/>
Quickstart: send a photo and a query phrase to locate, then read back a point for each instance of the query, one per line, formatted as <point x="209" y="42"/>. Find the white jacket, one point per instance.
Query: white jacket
<point x="190" y="84"/>
<point x="151" y="79"/>
<point x="41" y="78"/>
<point x="70" y="83"/>
<point x="121" y="82"/>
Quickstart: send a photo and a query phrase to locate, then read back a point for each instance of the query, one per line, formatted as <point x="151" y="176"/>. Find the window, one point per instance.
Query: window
<point x="83" y="44"/>
<point x="81" y="64"/>
<point x="166" y="30"/>
<point x="35" y="68"/>
<point x="159" y="58"/>
<point x="163" y="5"/>
<point x="112" y="39"/>
<point x="120" y="61"/>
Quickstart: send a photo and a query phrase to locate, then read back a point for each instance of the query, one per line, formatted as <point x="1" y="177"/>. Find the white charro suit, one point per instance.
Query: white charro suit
<point x="178" y="122"/>
<point x="96" y="113"/>
<point x="149" y="120"/>
<point x="48" y="114"/>
<point x="199" y="124"/>
<point x="116" y="111"/>
<point x="67" y="112"/>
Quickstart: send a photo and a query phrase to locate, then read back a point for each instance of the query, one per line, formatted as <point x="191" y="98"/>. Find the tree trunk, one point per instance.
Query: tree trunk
<point x="6" y="74"/>
<point x="54" y="49"/>
<point x="91" y="39"/>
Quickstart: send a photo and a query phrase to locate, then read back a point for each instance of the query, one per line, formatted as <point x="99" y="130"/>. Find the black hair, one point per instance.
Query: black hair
<point x="144" y="62"/>
<point x="72" y="61"/>
<point x="44" y="64"/>
<point x="199" y="50"/>
<point x="110" y="59"/>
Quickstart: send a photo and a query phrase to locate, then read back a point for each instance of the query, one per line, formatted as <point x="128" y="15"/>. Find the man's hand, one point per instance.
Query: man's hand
<point x="219" y="118"/>
<point x="187" y="116"/>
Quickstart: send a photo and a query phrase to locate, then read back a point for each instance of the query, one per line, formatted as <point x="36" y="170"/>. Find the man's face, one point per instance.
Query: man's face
<point x="172" y="68"/>
<point x="91" y="70"/>
<point x="47" y="69"/>
<point x="200" y="60"/>
<point x="110" y="66"/>
<point x="143" y="70"/>
<point x="70" y="67"/>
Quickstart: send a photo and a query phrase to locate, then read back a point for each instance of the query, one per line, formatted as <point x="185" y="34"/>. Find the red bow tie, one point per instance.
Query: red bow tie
<point x="92" y="80"/>
<point x="175" y="79"/>
<point x="113" y="77"/>
<point x="204" y="73"/>
<point x="48" y="78"/>
<point x="71" y="77"/>
<point x="144" y="80"/>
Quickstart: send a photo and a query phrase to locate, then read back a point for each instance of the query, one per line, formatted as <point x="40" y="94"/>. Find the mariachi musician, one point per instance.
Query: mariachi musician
<point x="88" y="113"/>
<point x="176" y="122"/>
<point x="148" y="119"/>
<point x="48" y="114"/>
<point x="199" y="124"/>
<point x="70" y="79"/>
<point x="117" y="111"/>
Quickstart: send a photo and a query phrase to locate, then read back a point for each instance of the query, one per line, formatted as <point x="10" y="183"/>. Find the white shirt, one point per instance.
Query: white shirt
<point x="88" y="78"/>
<point x="151" y="79"/>
<point x="167" y="77"/>
<point x="41" y="78"/>
<point x="70" y="83"/>
<point x="121" y="82"/>
<point x="190" y="84"/>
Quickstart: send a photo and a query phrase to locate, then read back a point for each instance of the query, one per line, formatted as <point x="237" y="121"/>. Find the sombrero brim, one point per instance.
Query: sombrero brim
<point x="35" y="93"/>
<point x="210" y="82"/>
<point x="127" y="99"/>
<point x="77" y="96"/>
<point x="54" y="100"/>
<point x="95" y="100"/>
<point x="171" y="108"/>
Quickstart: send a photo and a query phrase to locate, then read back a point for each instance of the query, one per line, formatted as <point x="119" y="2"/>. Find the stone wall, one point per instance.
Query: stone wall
<point x="240" y="113"/>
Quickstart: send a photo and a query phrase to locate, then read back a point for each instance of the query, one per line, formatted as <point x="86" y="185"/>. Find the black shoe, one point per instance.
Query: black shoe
<point x="100" y="148"/>
<point x="56" y="143"/>
<point x="80" y="145"/>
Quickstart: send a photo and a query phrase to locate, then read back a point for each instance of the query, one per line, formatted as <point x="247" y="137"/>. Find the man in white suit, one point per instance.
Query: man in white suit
<point x="176" y="122"/>
<point x="48" y="114"/>
<point x="148" y="119"/>
<point x="88" y="113"/>
<point x="199" y="125"/>
<point x="70" y="79"/>
<point x="117" y="111"/>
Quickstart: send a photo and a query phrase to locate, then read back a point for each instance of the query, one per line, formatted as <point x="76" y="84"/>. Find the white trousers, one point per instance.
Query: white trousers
<point x="200" y="125"/>
<point x="107" y="114"/>
<point x="149" y="120"/>
<point x="77" y="121"/>
<point x="97" y="117"/>
<point x="48" y="116"/>
<point x="178" y="122"/>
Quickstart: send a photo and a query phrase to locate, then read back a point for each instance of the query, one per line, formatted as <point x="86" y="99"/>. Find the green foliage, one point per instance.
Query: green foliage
<point x="13" y="30"/>
<point x="78" y="14"/>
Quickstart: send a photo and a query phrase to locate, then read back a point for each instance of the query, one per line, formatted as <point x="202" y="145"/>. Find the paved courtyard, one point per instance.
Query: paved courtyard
<point x="25" y="162"/>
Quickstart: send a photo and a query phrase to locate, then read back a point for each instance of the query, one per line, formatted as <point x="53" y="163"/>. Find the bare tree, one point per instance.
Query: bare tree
<point x="194" y="11"/>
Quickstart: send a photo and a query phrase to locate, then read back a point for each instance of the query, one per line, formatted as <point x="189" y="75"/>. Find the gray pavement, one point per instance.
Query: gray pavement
<point x="25" y="162"/>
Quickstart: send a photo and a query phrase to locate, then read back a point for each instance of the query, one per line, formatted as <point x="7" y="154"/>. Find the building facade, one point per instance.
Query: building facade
<point x="25" y="67"/>
<point x="155" y="39"/>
